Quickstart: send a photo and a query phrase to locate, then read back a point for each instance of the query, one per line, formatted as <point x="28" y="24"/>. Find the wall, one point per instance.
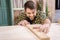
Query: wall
<point x="51" y="7"/>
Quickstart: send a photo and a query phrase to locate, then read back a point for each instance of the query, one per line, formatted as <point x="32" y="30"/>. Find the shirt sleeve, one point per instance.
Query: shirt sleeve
<point x="20" y="18"/>
<point x="42" y="16"/>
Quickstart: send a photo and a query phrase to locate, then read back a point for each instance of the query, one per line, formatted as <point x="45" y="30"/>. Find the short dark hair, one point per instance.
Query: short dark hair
<point x="30" y="5"/>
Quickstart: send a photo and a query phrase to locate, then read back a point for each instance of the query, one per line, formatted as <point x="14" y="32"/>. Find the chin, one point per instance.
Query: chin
<point x="31" y="18"/>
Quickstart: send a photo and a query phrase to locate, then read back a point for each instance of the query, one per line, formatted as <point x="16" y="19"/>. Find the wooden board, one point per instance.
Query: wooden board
<point x="40" y="35"/>
<point x="16" y="33"/>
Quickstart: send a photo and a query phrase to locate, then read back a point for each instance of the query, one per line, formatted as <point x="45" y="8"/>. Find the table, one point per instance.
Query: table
<point x="22" y="33"/>
<point x="54" y="32"/>
<point x="16" y="33"/>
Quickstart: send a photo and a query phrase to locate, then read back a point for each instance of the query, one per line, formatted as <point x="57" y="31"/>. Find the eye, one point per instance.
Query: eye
<point x="33" y="12"/>
<point x="29" y="13"/>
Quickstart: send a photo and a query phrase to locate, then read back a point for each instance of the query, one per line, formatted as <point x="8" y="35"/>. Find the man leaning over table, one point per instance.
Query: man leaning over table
<point x="31" y="16"/>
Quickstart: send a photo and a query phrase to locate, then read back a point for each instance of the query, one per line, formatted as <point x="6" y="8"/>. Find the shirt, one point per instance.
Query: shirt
<point x="39" y="18"/>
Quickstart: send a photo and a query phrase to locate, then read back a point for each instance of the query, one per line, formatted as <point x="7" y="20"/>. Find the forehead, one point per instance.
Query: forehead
<point x="30" y="10"/>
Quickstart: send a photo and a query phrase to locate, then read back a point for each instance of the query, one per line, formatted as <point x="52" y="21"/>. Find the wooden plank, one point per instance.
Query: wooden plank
<point x="16" y="33"/>
<point x="40" y="35"/>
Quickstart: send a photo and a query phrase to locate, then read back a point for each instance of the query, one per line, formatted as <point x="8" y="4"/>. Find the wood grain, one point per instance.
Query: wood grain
<point x="40" y="35"/>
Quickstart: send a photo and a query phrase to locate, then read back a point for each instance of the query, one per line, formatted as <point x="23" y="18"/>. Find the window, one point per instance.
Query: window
<point x="17" y="7"/>
<point x="57" y="6"/>
<point x="18" y="4"/>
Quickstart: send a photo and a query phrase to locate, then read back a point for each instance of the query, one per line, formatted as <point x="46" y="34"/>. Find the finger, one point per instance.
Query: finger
<point x="41" y="29"/>
<point x="36" y="27"/>
<point x="26" y="22"/>
<point x="46" y="30"/>
<point x="21" y="23"/>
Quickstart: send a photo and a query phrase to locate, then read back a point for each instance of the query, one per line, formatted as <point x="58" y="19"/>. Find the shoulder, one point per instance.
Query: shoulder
<point x="22" y="15"/>
<point x="41" y="15"/>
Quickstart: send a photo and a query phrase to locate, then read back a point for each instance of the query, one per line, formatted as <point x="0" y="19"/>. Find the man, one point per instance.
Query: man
<point x="31" y="16"/>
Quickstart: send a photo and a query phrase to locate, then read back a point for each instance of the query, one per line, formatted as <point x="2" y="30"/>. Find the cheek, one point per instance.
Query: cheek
<point x="27" y="15"/>
<point x="35" y="14"/>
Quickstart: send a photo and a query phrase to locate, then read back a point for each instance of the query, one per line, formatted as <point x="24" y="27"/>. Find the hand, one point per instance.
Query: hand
<point x="23" y="23"/>
<point x="44" y="28"/>
<point x="39" y="27"/>
<point x="36" y="26"/>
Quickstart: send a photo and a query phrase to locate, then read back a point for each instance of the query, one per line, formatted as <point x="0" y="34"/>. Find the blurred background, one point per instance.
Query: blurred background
<point x="11" y="9"/>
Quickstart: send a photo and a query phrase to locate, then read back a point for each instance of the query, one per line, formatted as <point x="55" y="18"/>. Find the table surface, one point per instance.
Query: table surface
<point x="54" y="31"/>
<point x="22" y="33"/>
<point x="16" y="33"/>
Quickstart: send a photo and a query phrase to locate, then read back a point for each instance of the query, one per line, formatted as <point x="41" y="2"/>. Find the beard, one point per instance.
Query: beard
<point x="31" y="18"/>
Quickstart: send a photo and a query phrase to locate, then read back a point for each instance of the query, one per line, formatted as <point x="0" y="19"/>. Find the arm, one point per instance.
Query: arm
<point x="23" y="23"/>
<point x="47" y="22"/>
<point x="46" y="25"/>
<point x="21" y="20"/>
